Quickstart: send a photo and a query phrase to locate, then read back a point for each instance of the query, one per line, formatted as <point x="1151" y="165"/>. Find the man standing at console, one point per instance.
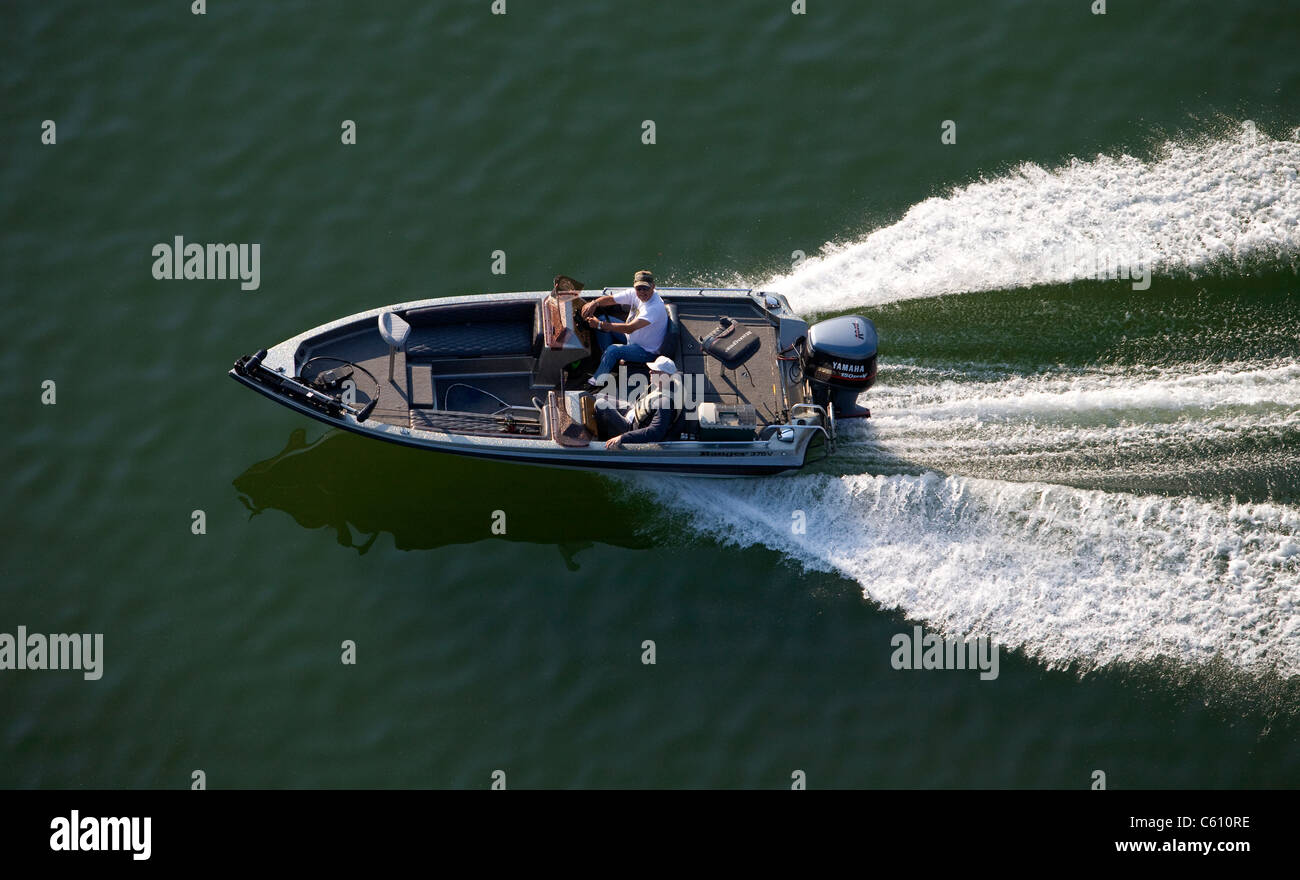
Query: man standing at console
<point x="646" y="324"/>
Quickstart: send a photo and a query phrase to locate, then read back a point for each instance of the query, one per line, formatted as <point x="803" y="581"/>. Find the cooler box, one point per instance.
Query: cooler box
<point x="721" y="421"/>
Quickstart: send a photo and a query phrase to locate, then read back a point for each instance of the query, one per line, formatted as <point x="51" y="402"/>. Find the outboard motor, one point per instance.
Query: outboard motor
<point x="840" y="363"/>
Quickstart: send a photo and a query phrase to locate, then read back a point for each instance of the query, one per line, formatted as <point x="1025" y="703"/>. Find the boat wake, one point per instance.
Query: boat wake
<point x="1220" y="202"/>
<point x="1087" y="516"/>
<point x="1206" y="429"/>
<point x="1072" y="577"/>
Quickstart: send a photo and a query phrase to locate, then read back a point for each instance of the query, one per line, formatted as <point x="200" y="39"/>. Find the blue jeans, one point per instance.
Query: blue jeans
<point x="605" y="340"/>
<point x="630" y="352"/>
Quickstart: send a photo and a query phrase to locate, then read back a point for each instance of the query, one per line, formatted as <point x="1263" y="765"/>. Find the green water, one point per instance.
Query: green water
<point x="1104" y="479"/>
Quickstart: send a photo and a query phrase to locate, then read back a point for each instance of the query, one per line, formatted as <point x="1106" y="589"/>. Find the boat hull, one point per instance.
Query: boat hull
<point x="281" y="374"/>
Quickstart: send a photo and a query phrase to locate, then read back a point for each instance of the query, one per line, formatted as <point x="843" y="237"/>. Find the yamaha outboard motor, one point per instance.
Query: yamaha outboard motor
<point x="840" y="363"/>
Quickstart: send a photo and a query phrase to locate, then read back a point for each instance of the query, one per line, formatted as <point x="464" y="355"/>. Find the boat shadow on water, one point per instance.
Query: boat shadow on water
<point x="362" y="489"/>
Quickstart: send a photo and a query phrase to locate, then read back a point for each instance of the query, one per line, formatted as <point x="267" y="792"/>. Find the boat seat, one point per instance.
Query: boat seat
<point x="466" y="330"/>
<point x="731" y="346"/>
<point x="582" y="409"/>
<point x="395" y="332"/>
<point x="488" y="339"/>
<point x="472" y="313"/>
<point x="672" y="346"/>
<point x="564" y="429"/>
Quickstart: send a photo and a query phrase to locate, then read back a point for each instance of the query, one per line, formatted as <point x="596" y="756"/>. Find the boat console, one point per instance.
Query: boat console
<point x="561" y="344"/>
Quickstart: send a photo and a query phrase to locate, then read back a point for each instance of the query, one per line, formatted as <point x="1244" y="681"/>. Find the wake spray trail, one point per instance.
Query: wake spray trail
<point x="1070" y="576"/>
<point x="1226" y="201"/>
<point x="1198" y="427"/>
<point x="1074" y="576"/>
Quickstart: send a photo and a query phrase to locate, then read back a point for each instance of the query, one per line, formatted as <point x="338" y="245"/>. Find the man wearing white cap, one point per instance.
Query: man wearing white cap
<point x="656" y="417"/>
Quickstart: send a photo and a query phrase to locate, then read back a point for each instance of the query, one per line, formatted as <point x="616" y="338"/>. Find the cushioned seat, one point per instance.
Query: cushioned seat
<point x="469" y="340"/>
<point x="734" y="348"/>
<point x="672" y="344"/>
<point x="471" y="313"/>
<point x="463" y="330"/>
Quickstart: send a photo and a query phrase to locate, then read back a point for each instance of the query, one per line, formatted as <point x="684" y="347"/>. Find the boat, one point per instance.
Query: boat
<point x="502" y="376"/>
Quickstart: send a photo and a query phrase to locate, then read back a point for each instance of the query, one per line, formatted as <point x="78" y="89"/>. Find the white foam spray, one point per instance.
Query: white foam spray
<point x="1093" y="426"/>
<point x="1072" y="576"/>
<point x="1193" y="206"/>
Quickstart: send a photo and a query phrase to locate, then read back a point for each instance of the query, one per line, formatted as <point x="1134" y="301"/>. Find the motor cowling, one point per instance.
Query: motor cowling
<point x="840" y="362"/>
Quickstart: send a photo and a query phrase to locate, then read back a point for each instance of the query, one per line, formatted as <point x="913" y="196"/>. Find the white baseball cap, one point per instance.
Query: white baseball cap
<point x="663" y="364"/>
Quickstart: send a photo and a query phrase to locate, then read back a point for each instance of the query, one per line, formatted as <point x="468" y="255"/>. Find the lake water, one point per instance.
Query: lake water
<point x="1103" y="480"/>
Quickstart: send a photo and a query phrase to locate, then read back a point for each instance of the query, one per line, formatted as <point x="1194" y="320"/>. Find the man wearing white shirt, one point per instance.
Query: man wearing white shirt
<point x="646" y="324"/>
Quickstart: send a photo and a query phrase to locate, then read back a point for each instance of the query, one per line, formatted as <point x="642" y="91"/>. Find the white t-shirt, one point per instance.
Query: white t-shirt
<point x="650" y="337"/>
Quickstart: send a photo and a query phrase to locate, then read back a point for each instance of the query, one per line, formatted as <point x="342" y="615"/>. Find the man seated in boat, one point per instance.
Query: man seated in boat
<point x="641" y="335"/>
<point x="657" y="416"/>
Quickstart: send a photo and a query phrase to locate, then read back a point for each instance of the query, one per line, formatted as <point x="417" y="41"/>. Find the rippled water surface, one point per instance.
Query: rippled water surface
<point x="1104" y="480"/>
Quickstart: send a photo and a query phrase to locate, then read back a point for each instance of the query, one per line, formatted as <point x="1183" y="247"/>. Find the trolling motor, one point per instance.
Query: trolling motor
<point x="839" y="362"/>
<point x="318" y="396"/>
